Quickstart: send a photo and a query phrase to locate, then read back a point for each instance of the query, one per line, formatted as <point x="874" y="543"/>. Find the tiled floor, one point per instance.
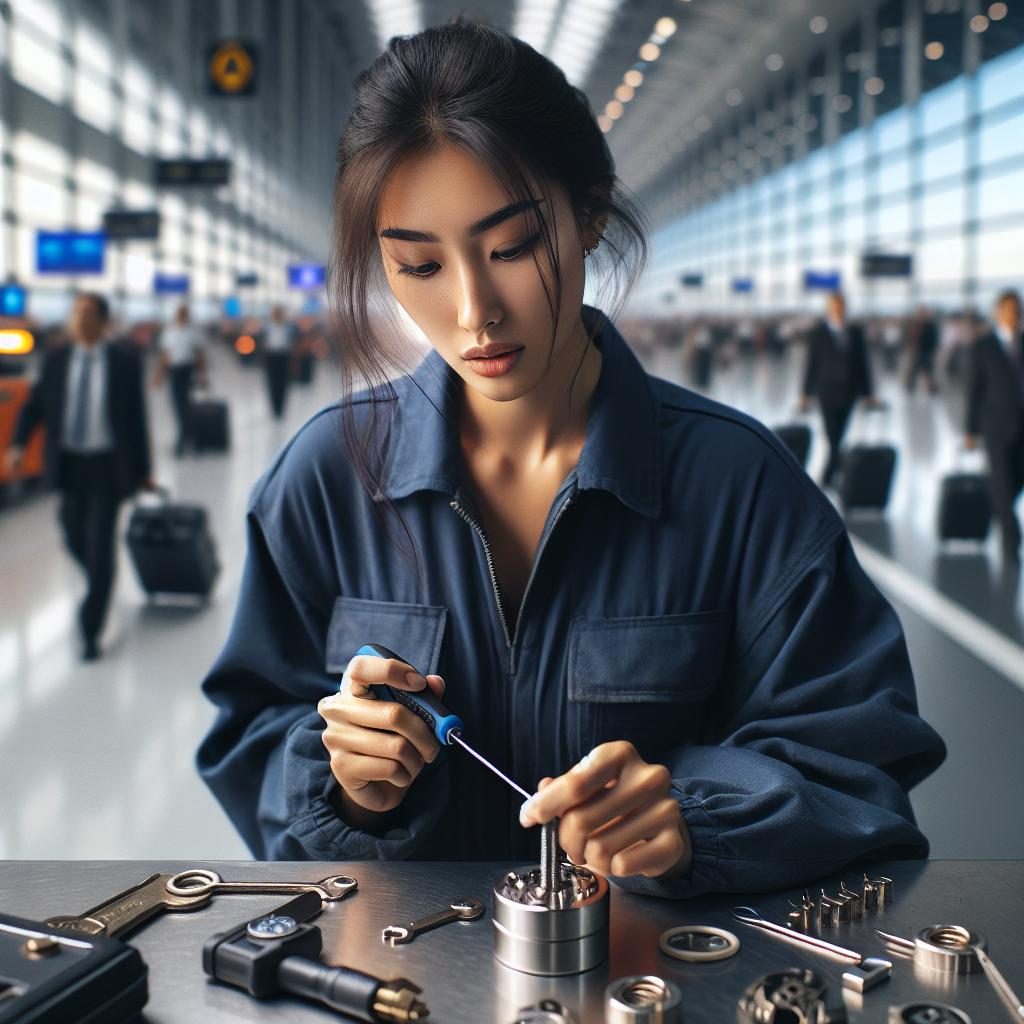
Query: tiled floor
<point x="96" y="761"/>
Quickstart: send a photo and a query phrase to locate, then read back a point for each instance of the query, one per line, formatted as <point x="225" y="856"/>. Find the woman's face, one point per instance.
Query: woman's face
<point x="467" y="268"/>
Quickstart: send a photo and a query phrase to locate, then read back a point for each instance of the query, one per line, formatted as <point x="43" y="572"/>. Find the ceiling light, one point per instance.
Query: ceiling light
<point x="650" y="52"/>
<point x="534" y="19"/>
<point x="819" y="24"/>
<point x="979" y="23"/>
<point x="604" y="122"/>
<point x="734" y="97"/>
<point x="808" y="122"/>
<point x="874" y="86"/>
<point x="395" y="18"/>
<point x="852" y="62"/>
<point x="934" y="51"/>
<point x="625" y="93"/>
<point x="665" y="27"/>
<point x="634" y="78"/>
<point x="998" y="11"/>
<point x="582" y="29"/>
<point x="614" y="109"/>
<point x="774" y="62"/>
<point x="843" y="104"/>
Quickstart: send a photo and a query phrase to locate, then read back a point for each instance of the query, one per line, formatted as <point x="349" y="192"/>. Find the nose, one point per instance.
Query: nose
<point x="479" y="306"/>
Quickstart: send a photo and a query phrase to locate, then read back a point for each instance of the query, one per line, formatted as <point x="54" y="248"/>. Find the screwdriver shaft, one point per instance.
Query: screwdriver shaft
<point x="483" y="760"/>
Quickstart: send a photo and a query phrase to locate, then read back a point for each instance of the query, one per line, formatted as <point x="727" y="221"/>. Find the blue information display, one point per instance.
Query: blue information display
<point x="12" y="300"/>
<point x="232" y="307"/>
<point x="70" y="252"/>
<point x="742" y="284"/>
<point x="308" y="276"/>
<point x="821" y="280"/>
<point x="171" y="284"/>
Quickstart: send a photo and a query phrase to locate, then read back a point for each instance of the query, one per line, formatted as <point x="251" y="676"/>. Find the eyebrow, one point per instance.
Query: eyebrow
<point x="476" y="228"/>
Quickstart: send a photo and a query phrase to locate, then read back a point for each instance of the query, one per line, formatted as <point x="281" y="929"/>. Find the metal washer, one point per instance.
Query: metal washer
<point x="699" y="956"/>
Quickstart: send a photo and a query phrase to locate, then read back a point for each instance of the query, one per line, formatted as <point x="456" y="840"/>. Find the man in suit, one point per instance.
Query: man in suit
<point x="995" y="412"/>
<point x="837" y="374"/>
<point x="924" y="345"/>
<point x="278" y="345"/>
<point x="90" y="398"/>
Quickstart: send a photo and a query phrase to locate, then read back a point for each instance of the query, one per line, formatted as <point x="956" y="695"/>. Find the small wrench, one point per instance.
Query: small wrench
<point x="459" y="910"/>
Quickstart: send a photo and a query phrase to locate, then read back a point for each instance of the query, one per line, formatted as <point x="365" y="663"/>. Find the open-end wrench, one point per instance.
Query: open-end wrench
<point x="459" y="910"/>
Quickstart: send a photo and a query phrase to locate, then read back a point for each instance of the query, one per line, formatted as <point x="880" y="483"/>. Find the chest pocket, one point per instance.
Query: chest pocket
<point x="413" y="631"/>
<point x="644" y="679"/>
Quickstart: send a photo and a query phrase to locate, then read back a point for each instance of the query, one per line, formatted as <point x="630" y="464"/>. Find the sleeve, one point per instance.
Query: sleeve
<point x="975" y="389"/>
<point x="143" y="455"/>
<point x="817" y="743"/>
<point x="264" y="758"/>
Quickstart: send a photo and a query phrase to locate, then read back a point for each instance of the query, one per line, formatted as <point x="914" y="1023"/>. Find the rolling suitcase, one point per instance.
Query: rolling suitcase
<point x="965" y="504"/>
<point x="797" y="438"/>
<point x="171" y="547"/>
<point x="211" y="430"/>
<point x="868" y="468"/>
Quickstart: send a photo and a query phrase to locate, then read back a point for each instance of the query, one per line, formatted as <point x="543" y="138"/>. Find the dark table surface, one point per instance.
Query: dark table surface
<point x="462" y="982"/>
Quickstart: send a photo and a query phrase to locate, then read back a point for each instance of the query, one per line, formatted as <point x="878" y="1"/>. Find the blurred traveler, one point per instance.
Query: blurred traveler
<point x="995" y="412"/>
<point x="837" y="374"/>
<point x="924" y="343"/>
<point x="278" y="344"/>
<point x="91" y="399"/>
<point x="183" y="358"/>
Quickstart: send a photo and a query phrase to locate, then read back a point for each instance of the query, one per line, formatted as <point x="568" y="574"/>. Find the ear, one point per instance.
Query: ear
<point x="593" y="217"/>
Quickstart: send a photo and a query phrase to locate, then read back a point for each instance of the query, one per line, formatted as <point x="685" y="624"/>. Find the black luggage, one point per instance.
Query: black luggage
<point x="172" y="549"/>
<point x="304" y="368"/>
<point x="867" y="470"/>
<point x="797" y="438"/>
<point x="965" y="508"/>
<point x="211" y="431"/>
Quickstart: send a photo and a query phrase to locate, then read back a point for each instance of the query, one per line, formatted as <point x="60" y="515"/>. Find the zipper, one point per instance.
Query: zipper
<point x="490" y="566"/>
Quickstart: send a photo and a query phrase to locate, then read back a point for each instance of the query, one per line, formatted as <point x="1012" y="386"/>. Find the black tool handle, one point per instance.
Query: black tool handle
<point x="341" y="988"/>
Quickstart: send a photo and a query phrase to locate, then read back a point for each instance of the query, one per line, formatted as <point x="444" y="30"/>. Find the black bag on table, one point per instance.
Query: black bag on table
<point x="172" y="549"/>
<point x="797" y="438"/>
<point x="211" y="429"/>
<point x="965" y="508"/>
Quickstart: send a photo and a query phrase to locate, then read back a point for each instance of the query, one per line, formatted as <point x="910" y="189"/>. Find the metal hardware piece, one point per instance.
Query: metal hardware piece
<point x="877" y="892"/>
<point x="698" y="943"/>
<point x="274" y="926"/>
<point x="856" y="901"/>
<point x="949" y="949"/>
<point x="867" y="972"/>
<point x="643" y="999"/>
<point x="547" y="1011"/>
<point x="458" y="910"/>
<point x="201" y="881"/>
<point x="790" y="997"/>
<point x="828" y="912"/>
<point x="927" y="1013"/>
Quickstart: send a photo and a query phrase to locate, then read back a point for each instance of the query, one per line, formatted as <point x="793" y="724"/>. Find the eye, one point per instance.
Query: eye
<point x="423" y="271"/>
<point x="513" y="254"/>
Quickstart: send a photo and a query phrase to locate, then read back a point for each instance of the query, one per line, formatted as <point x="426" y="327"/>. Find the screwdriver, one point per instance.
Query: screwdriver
<point x="441" y="722"/>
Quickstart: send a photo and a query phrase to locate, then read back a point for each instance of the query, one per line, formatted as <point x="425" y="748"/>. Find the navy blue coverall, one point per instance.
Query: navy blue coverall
<point x="693" y="592"/>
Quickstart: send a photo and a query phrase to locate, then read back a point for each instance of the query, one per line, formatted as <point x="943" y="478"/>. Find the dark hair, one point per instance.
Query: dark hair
<point x="494" y="96"/>
<point x="1009" y="295"/>
<point x="100" y="303"/>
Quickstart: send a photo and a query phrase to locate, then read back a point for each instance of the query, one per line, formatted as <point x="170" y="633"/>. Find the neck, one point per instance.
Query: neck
<point x="551" y="417"/>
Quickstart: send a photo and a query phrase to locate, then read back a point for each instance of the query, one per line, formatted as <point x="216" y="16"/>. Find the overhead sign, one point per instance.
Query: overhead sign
<point x="308" y="276"/>
<point x="885" y="264"/>
<point x="821" y="280"/>
<point x="249" y="280"/>
<point x="12" y="300"/>
<point x="193" y="172"/>
<point x="232" y="67"/>
<point x="692" y="280"/>
<point x="742" y="284"/>
<point x="121" y="225"/>
<point x="232" y="307"/>
<point x="170" y="284"/>
<point x="70" y="252"/>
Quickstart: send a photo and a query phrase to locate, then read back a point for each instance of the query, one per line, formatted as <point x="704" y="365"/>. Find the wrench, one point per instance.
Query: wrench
<point x="459" y="910"/>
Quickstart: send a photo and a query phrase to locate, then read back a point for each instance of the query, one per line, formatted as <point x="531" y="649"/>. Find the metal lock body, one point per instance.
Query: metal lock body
<point x="643" y="999"/>
<point x="927" y="1013"/>
<point x="790" y="997"/>
<point x="547" y="1011"/>
<point x="564" y="931"/>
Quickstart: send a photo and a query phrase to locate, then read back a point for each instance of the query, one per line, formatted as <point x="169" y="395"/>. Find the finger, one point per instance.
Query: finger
<point x="651" y="858"/>
<point x="643" y="825"/>
<point x="371" y="743"/>
<point x="544" y="782"/>
<point x="366" y="670"/>
<point x="356" y="770"/>
<point x="385" y="716"/>
<point x="601" y="766"/>
<point x="634" y="791"/>
<point x="436" y="684"/>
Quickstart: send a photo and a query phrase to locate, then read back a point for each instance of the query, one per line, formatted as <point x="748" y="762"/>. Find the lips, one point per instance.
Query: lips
<point x="490" y="351"/>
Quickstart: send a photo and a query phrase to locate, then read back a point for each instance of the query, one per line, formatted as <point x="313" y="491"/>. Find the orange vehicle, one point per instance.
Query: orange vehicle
<point x="14" y="393"/>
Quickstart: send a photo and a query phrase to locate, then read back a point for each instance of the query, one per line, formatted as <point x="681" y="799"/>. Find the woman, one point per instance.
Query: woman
<point x="608" y="571"/>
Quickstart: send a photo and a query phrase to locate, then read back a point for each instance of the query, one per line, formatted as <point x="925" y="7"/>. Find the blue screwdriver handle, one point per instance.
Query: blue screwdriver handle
<point x="439" y="719"/>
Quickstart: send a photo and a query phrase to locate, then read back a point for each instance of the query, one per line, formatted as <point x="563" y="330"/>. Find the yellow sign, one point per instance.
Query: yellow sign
<point x="231" y="68"/>
<point x="16" y="342"/>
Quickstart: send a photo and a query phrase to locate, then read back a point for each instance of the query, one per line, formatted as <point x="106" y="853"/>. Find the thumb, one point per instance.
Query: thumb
<point x="436" y="684"/>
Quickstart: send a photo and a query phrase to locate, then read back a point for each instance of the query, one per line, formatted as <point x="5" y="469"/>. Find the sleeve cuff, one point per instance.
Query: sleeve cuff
<point x="703" y="873"/>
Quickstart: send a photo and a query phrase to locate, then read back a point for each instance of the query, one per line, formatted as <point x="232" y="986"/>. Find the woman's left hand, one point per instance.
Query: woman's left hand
<point x="616" y="814"/>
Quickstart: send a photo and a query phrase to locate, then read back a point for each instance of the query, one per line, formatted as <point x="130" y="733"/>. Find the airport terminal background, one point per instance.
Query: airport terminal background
<point x="779" y="148"/>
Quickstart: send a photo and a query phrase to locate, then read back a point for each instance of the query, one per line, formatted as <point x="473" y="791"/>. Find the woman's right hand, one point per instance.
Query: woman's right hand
<point x="376" y="747"/>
